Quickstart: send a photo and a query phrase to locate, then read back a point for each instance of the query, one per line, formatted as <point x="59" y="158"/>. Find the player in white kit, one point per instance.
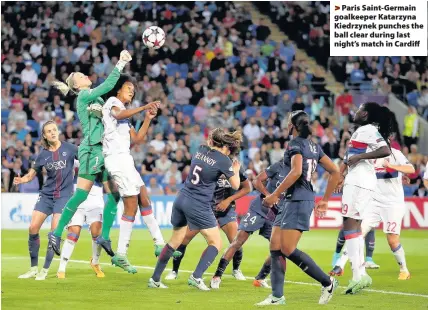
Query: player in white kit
<point x="90" y="212"/>
<point x="368" y="142"/>
<point x="118" y="135"/>
<point x="388" y="206"/>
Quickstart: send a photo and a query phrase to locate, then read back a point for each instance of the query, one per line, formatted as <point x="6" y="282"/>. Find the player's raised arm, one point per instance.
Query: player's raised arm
<point x="138" y="137"/>
<point x="244" y="189"/>
<point x="124" y="114"/>
<point x="234" y="180"/>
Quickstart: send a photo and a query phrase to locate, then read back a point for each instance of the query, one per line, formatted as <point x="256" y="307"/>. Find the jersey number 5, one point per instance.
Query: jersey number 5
<point x="195" y="178"/>
<point x="312" y="166"/>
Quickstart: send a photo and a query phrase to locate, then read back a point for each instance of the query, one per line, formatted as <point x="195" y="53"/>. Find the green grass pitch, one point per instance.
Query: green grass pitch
<point x="118" y="290"/>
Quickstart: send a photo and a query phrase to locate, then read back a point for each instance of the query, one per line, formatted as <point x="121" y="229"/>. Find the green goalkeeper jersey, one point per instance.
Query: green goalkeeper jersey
<point x="92" y="126"/>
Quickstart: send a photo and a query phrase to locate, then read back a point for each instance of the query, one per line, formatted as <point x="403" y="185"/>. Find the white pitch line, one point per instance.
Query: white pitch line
<point x="226" y="275"/>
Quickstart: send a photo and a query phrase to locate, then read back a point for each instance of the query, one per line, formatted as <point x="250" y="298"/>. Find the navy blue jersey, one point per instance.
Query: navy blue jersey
<point x="275" y="173"/>
<point x="59" y="166"/>
<point x="224" y="190"/>
<point x="206" y="168"/>
<point x="311" y="153"/>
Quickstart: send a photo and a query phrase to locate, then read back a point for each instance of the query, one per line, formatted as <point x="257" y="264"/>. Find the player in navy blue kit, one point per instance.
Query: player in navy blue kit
<point x="224" y="211"/>
<point x="302" y="156"/>
<point x="58" y="159"/>
<point x="258" y="218"/>
<point x="193" y="205"/>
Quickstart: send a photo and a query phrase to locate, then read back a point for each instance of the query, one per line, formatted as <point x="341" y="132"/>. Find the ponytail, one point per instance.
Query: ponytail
<point x="66" y="87"/>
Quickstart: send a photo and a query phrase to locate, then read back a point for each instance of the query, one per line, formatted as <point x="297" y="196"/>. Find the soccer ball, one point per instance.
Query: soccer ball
<point x="154" y="37"/>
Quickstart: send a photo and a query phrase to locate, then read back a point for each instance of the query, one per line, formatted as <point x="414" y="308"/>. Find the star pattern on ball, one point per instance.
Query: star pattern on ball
<point x="146" y="39"/>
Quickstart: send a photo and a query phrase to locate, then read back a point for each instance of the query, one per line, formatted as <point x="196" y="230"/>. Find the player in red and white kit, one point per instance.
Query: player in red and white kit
<point x="367" y="143"/>
<point x="388" y="207"/>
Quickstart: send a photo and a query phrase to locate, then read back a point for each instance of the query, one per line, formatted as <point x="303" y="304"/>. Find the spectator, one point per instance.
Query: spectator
<point x="411" y="127"/>
<point x="149" y="166"/>
<point x="182" y="94"/>
<point x="158" y="143"/>
<point x="29" y="75"/>
<point x="171" y="188"/>
<point x="262" y="31"/>
<point x="277" y="153"/>
<point x="16" y="115"/>
<point x="154" y="188"/>
<point x="331" y="147"/>
<point x="163" y="164"/>
<point x="173" y="173"/>
<point x="252" y="130"/>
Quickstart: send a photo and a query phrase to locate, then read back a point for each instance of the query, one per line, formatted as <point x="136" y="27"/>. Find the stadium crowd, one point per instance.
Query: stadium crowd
<point x="218" y="68"/>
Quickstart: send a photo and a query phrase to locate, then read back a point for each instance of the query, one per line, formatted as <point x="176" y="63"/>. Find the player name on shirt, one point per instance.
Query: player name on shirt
<point x="210" y="161"/>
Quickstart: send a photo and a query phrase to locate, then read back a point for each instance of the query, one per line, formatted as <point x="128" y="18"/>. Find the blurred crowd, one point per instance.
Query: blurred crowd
<point x="218" y="68"/>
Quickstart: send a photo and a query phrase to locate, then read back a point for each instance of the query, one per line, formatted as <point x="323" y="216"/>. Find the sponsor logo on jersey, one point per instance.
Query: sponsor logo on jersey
<point x="56" y="165"/>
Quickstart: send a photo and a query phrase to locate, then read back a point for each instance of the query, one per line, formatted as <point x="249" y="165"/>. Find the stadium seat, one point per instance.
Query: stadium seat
<point x="412" y="98"/>
<point x="5" y="114"/>
<point x="251" y="111"/>
<point x="188" y="110"/>
<point x="196" y="75"/>
<point x="366" y="87"/>
<point x="17" y="87"/>
<point x="172" y="68"/>
<point x="33" y="124"/>
<point x="184" y="69"/>
<point x="266" y="111"/>
<point x="233" y="59"/>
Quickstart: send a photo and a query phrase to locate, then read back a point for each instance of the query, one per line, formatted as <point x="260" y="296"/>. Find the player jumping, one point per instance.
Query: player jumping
<point x="258" y="218"/>
<point x="193" y="205"/>
<point x="302" y="156"/>
<point x="90" y="151"/>
<point x="388" y="207"/>
<point x="91" y="213"/>
<point x="224" y="211"/>
<point x="368" y="142"/>
<point x="58" y="159"/>
<point x="118" y="135"/>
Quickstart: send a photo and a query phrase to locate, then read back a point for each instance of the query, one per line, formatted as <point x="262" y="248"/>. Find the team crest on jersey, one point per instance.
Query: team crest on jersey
<point x="64" y="153"/>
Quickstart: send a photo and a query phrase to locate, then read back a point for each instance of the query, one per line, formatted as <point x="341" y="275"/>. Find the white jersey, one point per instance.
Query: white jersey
<point x="365" y="139"/>
<point x="116" y="139"/>
<point x="389" y="181"/>
<point x="95" y="199"/>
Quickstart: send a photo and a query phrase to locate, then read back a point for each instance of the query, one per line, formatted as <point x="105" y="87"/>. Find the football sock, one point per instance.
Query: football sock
<point x="207" y="258"/>
<point x="67" y="250"/>
<point x="306" y="263"/>
<point x="177" y="260"/>
<point x="153" y="226"/>
<point x="237" y="259"/>
<point x="70" y="208"/>
<point x="109" y="214"/>
<point x="340" y="241"/>
<point x="370" y="243"/>
<point x="96" y="251"/>
<point x="277" y="274"/>
<point x="353" y="249"/>
<point x="33" y="247"/>
<point x="49" y="257"/>
<point x="163" y="259"/>
<point x="361" y="253"/>
<point x="222" y="265"/>
<point x="125" y="232"/>
<point x="400" y="257"/>
<point x="264" y="272"/>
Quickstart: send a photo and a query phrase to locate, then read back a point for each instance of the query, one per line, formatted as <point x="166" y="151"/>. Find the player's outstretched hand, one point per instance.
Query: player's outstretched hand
<point x="18" y="180"/>
<point x="154" y="106"/>
<point x="151" y="114"/>
<point x="321" y="208"/>
<point x="125" y="56"/>
<point x="270" y="201"/>
<point x="353" y="160"/>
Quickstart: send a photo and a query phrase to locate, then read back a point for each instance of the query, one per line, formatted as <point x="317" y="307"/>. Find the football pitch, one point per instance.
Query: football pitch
<point x="119" y="290"/>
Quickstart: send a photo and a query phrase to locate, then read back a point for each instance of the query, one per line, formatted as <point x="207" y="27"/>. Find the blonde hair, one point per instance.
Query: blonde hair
<point x="66" y="87"/>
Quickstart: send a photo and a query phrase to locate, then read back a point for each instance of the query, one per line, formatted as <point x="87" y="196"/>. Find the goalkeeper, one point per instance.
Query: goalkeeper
<point x="89" y="111"/>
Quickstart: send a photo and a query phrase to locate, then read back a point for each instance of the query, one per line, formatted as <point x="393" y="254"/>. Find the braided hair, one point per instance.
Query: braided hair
<point x="380" y="116"/>
<point x="300" y="121"/>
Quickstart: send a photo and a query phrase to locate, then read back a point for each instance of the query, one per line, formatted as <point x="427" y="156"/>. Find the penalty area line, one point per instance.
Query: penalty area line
<point x="209" y="273"/>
